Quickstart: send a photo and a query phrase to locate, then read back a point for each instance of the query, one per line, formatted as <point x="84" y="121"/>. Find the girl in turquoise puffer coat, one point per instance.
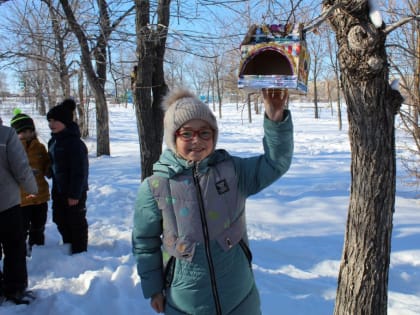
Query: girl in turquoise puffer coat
<point x="189" y="236"/>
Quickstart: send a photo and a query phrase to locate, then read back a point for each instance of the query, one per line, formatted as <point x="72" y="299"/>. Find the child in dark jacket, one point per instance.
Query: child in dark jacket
<point x="34" y="208"/>
<point x="70" y="170"/>
<point x="191" y="212"/>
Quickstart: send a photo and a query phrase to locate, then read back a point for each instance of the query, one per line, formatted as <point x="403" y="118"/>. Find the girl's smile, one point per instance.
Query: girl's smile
<point x="194" y="140"/>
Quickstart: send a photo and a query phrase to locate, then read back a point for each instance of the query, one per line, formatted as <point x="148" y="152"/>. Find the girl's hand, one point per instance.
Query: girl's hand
<point x="158" y="302"/>
<point x="275" y="100"/>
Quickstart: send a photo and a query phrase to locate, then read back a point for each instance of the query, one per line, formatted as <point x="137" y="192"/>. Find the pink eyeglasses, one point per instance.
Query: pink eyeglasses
<point x="189" y="134"/>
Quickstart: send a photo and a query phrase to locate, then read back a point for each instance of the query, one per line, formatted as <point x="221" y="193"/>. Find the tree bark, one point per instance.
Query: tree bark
<point x="81" y="107"/>
<point x="61" y="51"/>
<point x="371" y="107"/>
<point x="150" y="86"/>
<point x="249" y="108"/>
<point x="315" y="72"/>
<point x="96" y="79"/>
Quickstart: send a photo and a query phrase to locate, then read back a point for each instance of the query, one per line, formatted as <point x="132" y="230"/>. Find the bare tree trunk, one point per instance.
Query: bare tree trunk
<point x="417" y="83"/>
<point x="317" y="50"/>
<point x="42" y="107"/>
<point x="150" y="83"/>
<point x="61" y="51"/>
<point x="40" y="101"/>
<point x="208" y="93"/>
<point x="212" y="93"/>
<point x="316" y="111"/>
<point x="219" y="96"/>
<point x="216" y="76"/>
<point x="81" y="108"/>
<point x="257" y="105"/>
<point x="334" y="63"/>
<point x="329" y="97"/>
<point x="51" y="97"/>
<point x="96" y="79"/>
<point x="249" y="108"/>
<point x="363" y="277"/>
<point x="339" y="117"/>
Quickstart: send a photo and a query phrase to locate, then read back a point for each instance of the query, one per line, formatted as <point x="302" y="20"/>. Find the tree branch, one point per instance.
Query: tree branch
<point x="320" y="19"/>
<point x="401" y="22"/>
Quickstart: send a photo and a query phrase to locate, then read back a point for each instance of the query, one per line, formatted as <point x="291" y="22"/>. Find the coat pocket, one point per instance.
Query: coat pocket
<point x="247" y="251"/>
<point x="168" y="275"/>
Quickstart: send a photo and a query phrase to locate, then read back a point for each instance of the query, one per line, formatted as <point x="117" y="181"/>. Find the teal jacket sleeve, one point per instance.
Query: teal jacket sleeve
<point x="258" y="172"/>
<point x="146" y="241"/>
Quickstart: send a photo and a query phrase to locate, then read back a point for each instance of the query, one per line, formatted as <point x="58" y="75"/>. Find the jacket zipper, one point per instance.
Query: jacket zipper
<point x="206" y="240"/>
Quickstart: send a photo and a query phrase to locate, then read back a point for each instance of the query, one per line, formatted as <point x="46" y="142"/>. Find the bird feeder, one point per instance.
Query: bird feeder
<point x="274" y="56"/>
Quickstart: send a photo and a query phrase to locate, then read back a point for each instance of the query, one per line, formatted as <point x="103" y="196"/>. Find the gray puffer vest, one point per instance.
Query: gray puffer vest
<point x="189" y="218"/>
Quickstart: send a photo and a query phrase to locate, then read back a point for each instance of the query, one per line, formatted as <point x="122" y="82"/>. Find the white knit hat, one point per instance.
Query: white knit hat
<point x="181" y="106"/>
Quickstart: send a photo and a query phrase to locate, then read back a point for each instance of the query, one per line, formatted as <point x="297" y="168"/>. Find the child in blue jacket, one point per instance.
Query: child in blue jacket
<point x="189" y="237"/>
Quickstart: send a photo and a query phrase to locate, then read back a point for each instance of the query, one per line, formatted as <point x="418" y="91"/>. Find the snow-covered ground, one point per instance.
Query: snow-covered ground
<point x="296" y="226"/>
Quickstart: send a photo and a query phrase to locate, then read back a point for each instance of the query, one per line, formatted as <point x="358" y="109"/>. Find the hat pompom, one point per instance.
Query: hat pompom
<point x="174" y="96"/>
<point x="63" y="112"/>
<point x="21" y="121"/>
<point x="16" y="111"/>
<point x="69" y="103"/>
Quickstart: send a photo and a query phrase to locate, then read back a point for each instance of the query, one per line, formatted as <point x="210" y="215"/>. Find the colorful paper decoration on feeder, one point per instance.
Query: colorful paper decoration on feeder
<point x="274" y="56"/>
